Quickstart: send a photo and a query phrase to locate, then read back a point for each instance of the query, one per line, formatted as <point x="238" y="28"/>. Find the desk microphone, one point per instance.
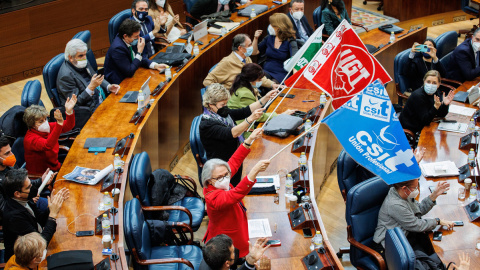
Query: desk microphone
<point x="210" y="42"/>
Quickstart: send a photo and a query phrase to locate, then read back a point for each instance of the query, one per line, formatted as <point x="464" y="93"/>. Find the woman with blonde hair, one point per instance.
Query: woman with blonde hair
<point x="30" y="250"/>
<point x="159" y="8"/>
<point x="277" y="48"/>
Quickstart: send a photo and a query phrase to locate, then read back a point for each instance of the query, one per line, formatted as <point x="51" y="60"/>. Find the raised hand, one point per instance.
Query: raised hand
<point x="140" y="45"/>
<point x="58" y="116"/>
<point x="56" y="201"/>
<point x="414" y="47"/>
<point x="70" y="103"/>
<point x="448" y="98"/>
<point x="258" y="33"/>
<point x="437" y="102"/>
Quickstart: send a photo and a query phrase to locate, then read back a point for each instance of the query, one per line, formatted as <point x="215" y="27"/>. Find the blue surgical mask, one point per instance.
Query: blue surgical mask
<point x="430" y="88"/>
<point x="134" y="42"/>
<point x="249" y="51"/>
<point x="257" y="84"/>
<point x="224" y="2"/>
<point x="142" y="15"/>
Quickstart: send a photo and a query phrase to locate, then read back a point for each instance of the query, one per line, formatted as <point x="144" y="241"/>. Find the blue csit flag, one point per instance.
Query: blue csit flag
<point x="369" y="131"/>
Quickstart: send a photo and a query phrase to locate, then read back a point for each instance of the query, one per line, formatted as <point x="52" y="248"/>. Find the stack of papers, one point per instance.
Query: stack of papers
<point x="259" y="228"/>
<point x="454" y="127"/>
<point x="218" y="31"/>
<point x="439" y="169"/>
<point x="461" y="110"/>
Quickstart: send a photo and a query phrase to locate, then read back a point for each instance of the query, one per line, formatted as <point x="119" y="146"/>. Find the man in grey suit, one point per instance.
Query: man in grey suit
<point x="76" y="76"/>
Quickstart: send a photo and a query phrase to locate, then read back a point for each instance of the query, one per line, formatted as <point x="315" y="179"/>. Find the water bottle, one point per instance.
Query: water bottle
<point x="471" y="125"/>
<point x="284" y="1"/>
<point x="141" y="99"/>
<point x="253" y="14"/>
<point x="323" y="99"/>
<point x="392" y="37"/>
<point x="302" y="161"/>
<point x="289" y="185"/>
<point x="117" y="162"/>
<point x="168" y="72"/>
<point x="471" y="157"/>
<point x="107" y="201"/>
<point x="224" y="30"/>
<point x="473" y="191"/>
<point x="317" y="241"/>
<point x="106" y="233"/>
<point x="196" y="50"/>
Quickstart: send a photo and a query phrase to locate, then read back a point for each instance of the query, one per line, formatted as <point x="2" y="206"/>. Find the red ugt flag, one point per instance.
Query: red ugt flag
<point x="342" y="67"/>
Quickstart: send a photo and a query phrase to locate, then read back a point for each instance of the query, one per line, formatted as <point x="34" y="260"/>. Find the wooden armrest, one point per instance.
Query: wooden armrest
<point x="362" y="247"/>
<point x="188" y="24"/>
<point x="64" y="148"/>
<point x="360" y="25"/>
<point x="452" y="81"/>
<point x="34" y="176"/>
<point x="448" y="86"/>
<point x="64" y="139"/>
<point x="184" y="227"/>
<point x="199" y="161"/>
<point x="161" y="261"/>
<point x="188" y="14"/>
<point x="168" y="208"/>
<point x="189" y="179"/>
<point x="400" y="94"/>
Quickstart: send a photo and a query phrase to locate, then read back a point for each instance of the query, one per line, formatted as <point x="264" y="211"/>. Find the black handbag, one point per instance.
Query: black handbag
<point x="171" y="59"/>
<point x="72" y="259"/>
<point x="282" y="125"/>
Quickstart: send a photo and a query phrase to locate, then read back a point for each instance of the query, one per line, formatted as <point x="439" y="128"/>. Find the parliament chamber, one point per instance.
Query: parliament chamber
<point x="165" y="129"/>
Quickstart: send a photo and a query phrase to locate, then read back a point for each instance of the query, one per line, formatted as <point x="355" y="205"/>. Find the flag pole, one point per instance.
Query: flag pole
<point x="296" y="139"/>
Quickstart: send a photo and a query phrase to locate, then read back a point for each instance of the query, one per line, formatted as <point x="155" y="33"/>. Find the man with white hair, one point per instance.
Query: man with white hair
<point x="76" y="76"/>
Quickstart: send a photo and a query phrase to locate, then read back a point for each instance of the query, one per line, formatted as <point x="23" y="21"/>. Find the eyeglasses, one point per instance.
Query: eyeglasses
<point x="221" y="178"/>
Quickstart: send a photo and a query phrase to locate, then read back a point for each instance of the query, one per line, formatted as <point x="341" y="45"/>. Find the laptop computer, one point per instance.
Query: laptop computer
<point x="131" y="96"/>
<point x="200" y="30"/>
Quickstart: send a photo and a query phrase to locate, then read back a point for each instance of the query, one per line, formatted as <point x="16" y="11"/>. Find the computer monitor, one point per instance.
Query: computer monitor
<point x="145" y="88"/>
<point x="200" y="30"/>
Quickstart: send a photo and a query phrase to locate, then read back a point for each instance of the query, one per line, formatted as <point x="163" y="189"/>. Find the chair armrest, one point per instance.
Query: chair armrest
<point x="199" y="160"/>
<point x="184" y="227"/>
<point x="448" y="86"/>
<point x="34" y="176"/>
<point x="362" y="247"/>
<point x="188" y="14"/>
<point x="161" y="261"/>
<point x="360" y="25"/>
<point x="64" y="148"/>
<point x="168" y="208"/>
<point x="188" y="178"/>
<point x="400" y="94"/>
<point x="452" y="81"/>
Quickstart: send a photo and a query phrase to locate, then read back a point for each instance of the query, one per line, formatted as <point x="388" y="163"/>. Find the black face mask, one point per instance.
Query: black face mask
<point x="141" y="15"/>
<point x="33" y="192"/>
<point x="223" y="112"/>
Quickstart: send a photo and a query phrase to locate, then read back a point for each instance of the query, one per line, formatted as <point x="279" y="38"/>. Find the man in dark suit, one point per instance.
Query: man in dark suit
<point x="300" y="24"/>
<point x="76" y="76"/>
<point x="148" y="25"/>
<point x="20" y="215"/>
<point x="126" y="53"/>
<point x="465" y="60"/>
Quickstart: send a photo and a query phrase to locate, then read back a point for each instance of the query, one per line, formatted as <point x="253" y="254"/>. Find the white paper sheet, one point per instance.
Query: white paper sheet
<point x="453" y="127"/>
<point x="448" y="168"/>
<point x="461" y="110"/>
<point x="259" y="228"/>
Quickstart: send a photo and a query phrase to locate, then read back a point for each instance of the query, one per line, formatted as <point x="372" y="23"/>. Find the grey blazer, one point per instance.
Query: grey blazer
<point x="70" y="81"/>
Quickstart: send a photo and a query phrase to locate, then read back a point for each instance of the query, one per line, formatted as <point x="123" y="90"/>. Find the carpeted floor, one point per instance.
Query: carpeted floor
<point x="369" y="19"/>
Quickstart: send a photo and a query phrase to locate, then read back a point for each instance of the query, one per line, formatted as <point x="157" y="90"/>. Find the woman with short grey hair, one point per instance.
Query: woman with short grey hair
<point x="219" y="135"/>
<point x="225" y="209"/>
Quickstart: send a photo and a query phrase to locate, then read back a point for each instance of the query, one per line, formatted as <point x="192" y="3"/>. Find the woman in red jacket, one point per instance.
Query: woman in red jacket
<point x="41" y="141"/>
<point x="224" y="202"/>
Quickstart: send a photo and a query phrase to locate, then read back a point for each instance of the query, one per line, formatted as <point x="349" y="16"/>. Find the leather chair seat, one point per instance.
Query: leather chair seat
<point x="115" y="22"/>
<point x="191" y="253"/>
<point x="198" y="151"/>
<point x="367" y="263"/>
<point x="31" y="94"/>
<point x="399" y="254"/>
<point x="50" y="72"/>
<point x="196" y="207"/>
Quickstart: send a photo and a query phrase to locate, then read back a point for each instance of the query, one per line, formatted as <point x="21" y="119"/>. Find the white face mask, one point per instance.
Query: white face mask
<point x="224" y="184"/>
<point x="413" y="194"/>
<point x="271" y="31"/>
<point x="44" y="127"/>
<point x="223" y="2"/>
<point x="430" y="88"/>
<point x="160" y="3"/>
<point x="475" y="45"/>
<point x="81" y="63"/>
<point x="297" y="15"/>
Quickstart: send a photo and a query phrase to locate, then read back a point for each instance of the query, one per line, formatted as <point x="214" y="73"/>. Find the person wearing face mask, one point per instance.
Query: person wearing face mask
<point x="21" y="215"/>
<point x="425" y="103"/>
<point x="400" y="209"/>
<point x="333" y="15"/>
<point x="127" y="53"/>
<point x="224" y="204"/>
<point x="30" y="250"/>
<point x="465" y="60"/>
<point x="296" y="14"/>
<point x="41" y="140"/>
<point x="277" y="49"/>
<point x="219" y="135"/>
<point x="174" y="29"/>
<point x="230" y="66"/>
<point x="76" y="76"/>
<point x="421" y="62"/>
<point x="244" y="92"/>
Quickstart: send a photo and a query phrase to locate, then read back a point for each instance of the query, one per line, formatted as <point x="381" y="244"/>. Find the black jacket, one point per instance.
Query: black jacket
<point x="417" y="68"/>
<point x="463" y="67"/>
<point x="18" y="221"/>
<point x="419" y="110"/>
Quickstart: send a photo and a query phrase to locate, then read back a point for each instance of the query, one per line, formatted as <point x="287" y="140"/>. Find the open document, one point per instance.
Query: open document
<point x="439" y="169"/>
<point x="453" y="127"/>
<point x="259" y="228"/>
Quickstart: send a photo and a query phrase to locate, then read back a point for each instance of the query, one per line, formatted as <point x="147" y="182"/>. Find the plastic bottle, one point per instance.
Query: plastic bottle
<point x="253" y="14"/>
<point x="284" y="1"/>
<point x="471" y="125"/>
<point x="117" y="162"/>
<point x="224" y="30"/>
<point x="317" y="241"/>
<point x="106" y="232"/>
<point x="302" y="161"/>
<point x="168" y="72"/>
<point x="308" y="125"/>
<point x="392" y="37"/>
<point x="196" y="50"/>
<point x="107" y="201"/>
<point x="323" y="99"/>
<point x="473" y="191"/>
<point x="141" y="99"/>
<point x="289" y="185"/>
<point x="471" y="156"/>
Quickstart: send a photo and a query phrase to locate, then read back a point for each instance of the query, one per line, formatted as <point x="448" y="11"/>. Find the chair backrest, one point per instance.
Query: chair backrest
<point x="467" y="9"/>
<point x="137" y="232"/>
<point x="115" y="22"/>
<point x="399" y="254"/>
<point x="349" y="173"/>
<point x="212" y="68"/>
<point x="447" y="60"/>
<point x="401" y="60"/>
<point x="19" y="152"/>
<point x="198" y="151"/>
<point x="31" y="94"/>
<point x="446" y="43"/>
<point x="317" y="16"/>
<point x="85" y="36"/>
<point x="50" y="73"/>
<point x="363" y="204"/>
<point x="139" y="176"/>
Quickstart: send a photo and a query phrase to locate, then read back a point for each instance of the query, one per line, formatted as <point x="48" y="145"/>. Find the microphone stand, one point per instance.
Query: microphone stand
<point x="127" y="142"/>
<point x="113" y="210"/>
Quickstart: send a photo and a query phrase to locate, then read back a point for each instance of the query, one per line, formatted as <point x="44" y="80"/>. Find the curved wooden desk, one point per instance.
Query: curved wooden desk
<point x="164" y="134"/>
<point x="441" y="146"/>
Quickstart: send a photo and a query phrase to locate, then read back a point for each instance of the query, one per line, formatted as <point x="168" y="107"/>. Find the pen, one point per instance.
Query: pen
<point x="308" y="100"/>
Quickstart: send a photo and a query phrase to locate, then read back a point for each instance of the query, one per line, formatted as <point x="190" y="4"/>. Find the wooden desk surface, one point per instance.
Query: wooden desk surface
<point x="441" y="146"/>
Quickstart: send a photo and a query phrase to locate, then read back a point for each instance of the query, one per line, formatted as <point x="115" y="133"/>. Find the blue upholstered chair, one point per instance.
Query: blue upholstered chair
<point x="187" y="6"/>
<point x="198" y="151"/>
<point x="350" y="173"/>
<point x="401" y="79"/>
<point x="31" y="94"/>
<point x="317" y="17"/>
<point x="363" y="204"/>
<point x="189" y="210"/>
<point x="399" y="254"/>
<point x="446" y="43"/>
<point x="447" y="60"/>
<point x="85" y="36"/>
<point x="19" y="152"/>
<point x="50" y="73"/>
<point x="115" y="22"/>
<point x="137" y="237"/>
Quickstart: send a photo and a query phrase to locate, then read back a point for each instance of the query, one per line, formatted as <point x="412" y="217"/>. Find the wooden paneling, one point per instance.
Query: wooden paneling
<point x="411" y="9"/>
